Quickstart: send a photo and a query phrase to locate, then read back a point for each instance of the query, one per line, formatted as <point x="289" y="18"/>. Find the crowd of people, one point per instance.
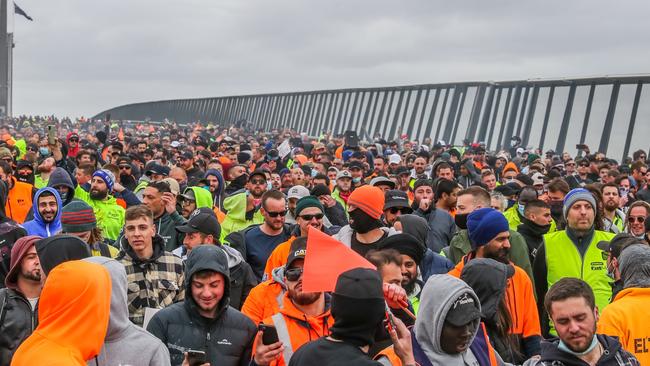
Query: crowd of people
<point x="165" y="244"/>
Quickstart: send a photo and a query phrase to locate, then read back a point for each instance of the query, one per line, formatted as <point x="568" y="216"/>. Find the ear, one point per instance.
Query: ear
<point x="596" y="314"/>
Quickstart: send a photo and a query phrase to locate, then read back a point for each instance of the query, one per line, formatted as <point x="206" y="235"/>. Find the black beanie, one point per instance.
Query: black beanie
<point x="320" y="190"/>
<point x="57" y="249"/>
<point x="358" y="306"/>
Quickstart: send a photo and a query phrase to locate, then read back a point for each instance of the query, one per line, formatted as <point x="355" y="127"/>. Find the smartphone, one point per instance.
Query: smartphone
<point x="196" y="358"/>
<point x="51" y="134"/>
<point x="269" y="334"/>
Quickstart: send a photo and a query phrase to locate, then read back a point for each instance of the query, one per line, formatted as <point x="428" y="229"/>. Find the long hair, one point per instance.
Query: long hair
<point x="502" y="329"/>
<point x="96" y="236"/>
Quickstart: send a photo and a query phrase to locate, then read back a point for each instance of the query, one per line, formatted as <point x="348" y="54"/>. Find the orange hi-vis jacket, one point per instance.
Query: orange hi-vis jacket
<point x="628" y="318"/>
<point x="19" y="201"/>
<point x="295" y="328"/>
<point x="521" y="301"/>
<point x="71" y="331"/>
<point x="278" y="257"/>
<point x="264" y="300"/>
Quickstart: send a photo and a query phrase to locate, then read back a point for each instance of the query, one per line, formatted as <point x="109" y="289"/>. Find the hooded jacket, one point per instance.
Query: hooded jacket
<point x="156" y="282"/>
<point x="226" y="339"/>
<point x="438" y="297"/>
<point x="73" y="151"/>
<point x="433" y="263"/>
<point x="126" y="343"/>
<point x="266" y="298"/>
<point x="166" y="228"/>
<point x="202" y="196"/>
<point x="614" y="355"/>
<point x="60" y="248"/>
<point x="217" y="197"/>
<point x="60" y="177"/>
<point x="69" y="331"/>
<point x="627" y="316"/>
<point x="39" y="227"/>
<point x="237" y="218"/>
<point x="109" y="214"/>
<point x="10" y="233"/>
<point x="18" y="319"/>
<point x="442" y="227"/>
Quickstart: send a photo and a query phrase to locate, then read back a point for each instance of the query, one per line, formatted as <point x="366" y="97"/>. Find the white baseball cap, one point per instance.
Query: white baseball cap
<point x="394" y="159"/>
<point x="298" y="192"/>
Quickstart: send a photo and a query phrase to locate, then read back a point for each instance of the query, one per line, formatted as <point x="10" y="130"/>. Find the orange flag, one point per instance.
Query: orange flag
<point x="325" y="260"/>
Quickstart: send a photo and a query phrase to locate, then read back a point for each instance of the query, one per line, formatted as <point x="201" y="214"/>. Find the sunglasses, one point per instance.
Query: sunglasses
<point x="638" y="219"/>
<point x="32" y="149"/>
<point x="395" y="210"/>
<point x="310" y="217"/>
<point x="570" y="164"/>
<point x="125" y="167"/>
<point x="258" y="181"/>
<point x="293" y="274"/>
<point x="276" y="214"/>
<point x="74" y="140"/>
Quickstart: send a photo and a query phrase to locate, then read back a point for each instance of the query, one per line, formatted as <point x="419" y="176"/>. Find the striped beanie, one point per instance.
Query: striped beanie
<point x="575" y="195"/>
<point x="368" y="199"/>
<point x="77" y="216"/>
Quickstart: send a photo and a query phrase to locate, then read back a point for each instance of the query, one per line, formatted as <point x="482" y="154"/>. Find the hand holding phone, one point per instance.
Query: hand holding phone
<point x="196" y="358"/>
<point x="51" y="135"/>
<point x="269" y="334"/>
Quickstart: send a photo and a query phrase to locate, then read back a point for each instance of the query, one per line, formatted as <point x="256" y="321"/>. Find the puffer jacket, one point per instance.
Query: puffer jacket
<point x="226" y="339"/>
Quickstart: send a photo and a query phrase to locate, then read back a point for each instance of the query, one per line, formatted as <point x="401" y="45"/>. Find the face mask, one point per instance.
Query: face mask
<point x="314" y="173"/>
<point x="563" y="347"/>
<point x="511" y="203"/>
<point x="44" y="151"/>
<point x="461" y="221"/>
<point x="269" y="185"/>
<point x="25" y="178"/>
<point x="240" y="181"/>
<point x="521" y="208"/>
<point x="356" y="180"/>
<point x="361" y="222"/>
<point x="556" y="208"/>
<point x="63" y="195"/>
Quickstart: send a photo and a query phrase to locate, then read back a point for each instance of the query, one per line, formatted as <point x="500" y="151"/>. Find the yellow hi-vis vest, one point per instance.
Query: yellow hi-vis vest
<point x="564" y="260"/>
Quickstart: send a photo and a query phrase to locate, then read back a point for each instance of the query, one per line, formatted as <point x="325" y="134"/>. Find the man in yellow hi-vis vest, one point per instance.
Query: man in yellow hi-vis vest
<point x="573" y="253"/>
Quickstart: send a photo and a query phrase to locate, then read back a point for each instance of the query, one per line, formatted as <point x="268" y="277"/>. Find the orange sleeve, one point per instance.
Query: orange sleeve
<point x="254" y="305"/>
<point x="278" y="257"/>
<point x="531" y="324"/>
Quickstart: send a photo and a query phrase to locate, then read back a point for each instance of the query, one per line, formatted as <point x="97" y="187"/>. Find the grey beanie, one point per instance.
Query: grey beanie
<point x="634" y="263"/>
<point x="575" y="195"/>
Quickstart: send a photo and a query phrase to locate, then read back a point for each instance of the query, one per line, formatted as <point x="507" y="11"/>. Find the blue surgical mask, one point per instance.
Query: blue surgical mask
<point x="356" y="180"/>
<point x="44" y="151"/>
<point x="563" y="347"/>
<point x="521" y="208"/>
<point x="269" y="185"/>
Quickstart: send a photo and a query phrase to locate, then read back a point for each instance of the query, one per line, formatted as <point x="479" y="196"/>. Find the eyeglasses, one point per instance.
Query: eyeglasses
<point x="187" y="202"/>
<point x="258" y="181"/>
<point x="310" y="217"/>
<point x="638" y="219"/>
<point x="293" y="274"/>
<point x="125" y="167"/>
<point x="276" y="214"/>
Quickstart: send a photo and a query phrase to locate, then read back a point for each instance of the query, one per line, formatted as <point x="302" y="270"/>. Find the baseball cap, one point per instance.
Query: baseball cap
<point x="618" y="243"/>
<point x="259" y="172"/>
<point x="187" y="155"/>
<point x="464" y="310"/>
<point x="188" y="194"/>
<point x="157" y="169"/>
<point x="202" y="220"/>
<point x="382" y="181"/>
<point x="297" y="192"/>
<point x="173" y="185"/>
<point x="343" y="174"/>
<point x="123" y="160"/>
<point x="402" y="170"/>
<point x="394" y="159"/>
<point x="298" y="250"/>
<point x="396" y="198"/>
<point x="175" y="144"/>
<point x="356" y="165"/>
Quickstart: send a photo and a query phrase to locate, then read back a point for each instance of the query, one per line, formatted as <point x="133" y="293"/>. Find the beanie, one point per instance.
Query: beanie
<point x="368" y="199"/>
<point x="484" y="225"/>
<point x="309" y="201"/>
<point x="575" y="195"/>
<point x="77" y="216"/>
<point x="107" y="176"/>
<point x="320" y="190"/>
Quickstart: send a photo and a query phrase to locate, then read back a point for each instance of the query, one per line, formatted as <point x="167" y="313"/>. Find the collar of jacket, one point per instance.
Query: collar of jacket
<point x="158" y="249"/>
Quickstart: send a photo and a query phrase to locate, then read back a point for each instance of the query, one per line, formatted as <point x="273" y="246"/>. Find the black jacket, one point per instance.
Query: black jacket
<point x="533" y="234"/>
<point x="17" y="322"/>
<point x="336" y="215"/>
<point x="614" y="354"/>
<point x="227" y="339"/>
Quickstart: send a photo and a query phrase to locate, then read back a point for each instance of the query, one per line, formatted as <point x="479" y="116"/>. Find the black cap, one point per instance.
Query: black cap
<point x="123" y="160"/>
<point x="464" y="310"/>
<point x="259" y="172"/>
<point x="508" y="189"/>
<point x="395" y="198"/>
<point x="157" y="169"/>
<point x="24" y="164"/>
<point x="187" y="155"/>
<point x="202" y="220"/>
<point x="402" y="170"/>
<point x="618" y="243"/>
<point x="356" y="165"/>
<point x="320" y="190"/>
<point x="298" y="250"/>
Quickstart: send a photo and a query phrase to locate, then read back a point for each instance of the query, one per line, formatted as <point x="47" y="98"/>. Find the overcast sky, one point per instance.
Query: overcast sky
<point x="81" y="57"/>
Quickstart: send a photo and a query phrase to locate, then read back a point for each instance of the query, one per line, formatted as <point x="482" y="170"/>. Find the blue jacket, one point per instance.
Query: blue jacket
<point x="434" y="263"/>
<point x="37" y="226"/>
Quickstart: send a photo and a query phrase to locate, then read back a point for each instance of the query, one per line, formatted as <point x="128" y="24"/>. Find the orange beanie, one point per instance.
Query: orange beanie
<point x="369" y="199"/>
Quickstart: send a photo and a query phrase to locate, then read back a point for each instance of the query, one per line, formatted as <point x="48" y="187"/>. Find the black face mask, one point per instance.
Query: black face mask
<point x="461" y="221"/>
<point x="240" y="181"/>
<point x="25" y="178"/>
<point x="361" y="222"/>
<point x="536" y="228"/>
<point x="556" y="209"/>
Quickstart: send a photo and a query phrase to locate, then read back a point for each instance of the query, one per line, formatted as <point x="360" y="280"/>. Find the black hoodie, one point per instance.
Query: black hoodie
<point x="614" y="354"/>
<point x="227" y="339"/>
<point x="57" y="249"/>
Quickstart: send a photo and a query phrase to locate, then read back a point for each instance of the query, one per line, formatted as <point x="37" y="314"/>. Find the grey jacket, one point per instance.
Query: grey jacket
<point x="126" y="343"/>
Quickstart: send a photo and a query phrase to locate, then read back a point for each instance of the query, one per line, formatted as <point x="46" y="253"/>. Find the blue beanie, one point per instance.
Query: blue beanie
<point x="346" y="155"/>
<point x="107" y="176"/>
<point x="484" y="225"/>
<point x="575" y="195"/>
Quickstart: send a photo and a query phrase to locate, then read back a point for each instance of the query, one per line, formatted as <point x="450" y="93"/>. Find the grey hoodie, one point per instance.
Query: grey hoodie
<point x="635" y="266"/>
<point x="437" y="297"/>
<point x="126" y="343"/>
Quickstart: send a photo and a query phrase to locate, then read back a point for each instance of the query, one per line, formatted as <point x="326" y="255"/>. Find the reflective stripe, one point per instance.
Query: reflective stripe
<point x="384" y="361"/>
<point x="283" y="336"/>
<point x="279" y="299"/>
